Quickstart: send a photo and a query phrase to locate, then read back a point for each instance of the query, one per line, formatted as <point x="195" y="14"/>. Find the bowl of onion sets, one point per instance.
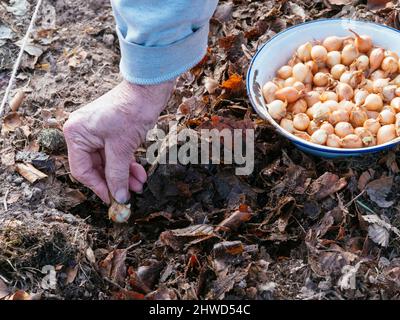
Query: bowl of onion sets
<point x="332" y="87"/>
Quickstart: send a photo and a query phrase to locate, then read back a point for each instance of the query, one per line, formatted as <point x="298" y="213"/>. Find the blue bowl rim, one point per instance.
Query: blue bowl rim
<point x="293" y="138"/>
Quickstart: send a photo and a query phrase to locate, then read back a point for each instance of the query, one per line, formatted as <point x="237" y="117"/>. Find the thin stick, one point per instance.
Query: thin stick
<point x="5" y="200"/>
<point x="18" y="61"/>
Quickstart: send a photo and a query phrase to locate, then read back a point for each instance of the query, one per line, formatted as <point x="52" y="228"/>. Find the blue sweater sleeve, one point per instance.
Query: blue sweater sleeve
<point x="160" y="39"/>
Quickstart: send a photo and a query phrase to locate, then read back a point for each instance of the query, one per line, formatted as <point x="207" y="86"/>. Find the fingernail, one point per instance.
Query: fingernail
<point x="122" y="196"/>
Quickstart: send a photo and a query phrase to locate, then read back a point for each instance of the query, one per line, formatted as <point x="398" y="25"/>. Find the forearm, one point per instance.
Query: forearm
<point x="161" y="39"/>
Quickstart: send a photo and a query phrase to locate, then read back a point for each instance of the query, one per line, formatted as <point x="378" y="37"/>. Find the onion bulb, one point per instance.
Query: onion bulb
<point x="372" y="114"/>
<point x="333" y="58"/>
<point x="366" y="136"/>
<point x="288" y="94"/>
<point x="277" y="109"/>
<point x="312" y="66"/>
<point x="321" y="79"/>
<point x="312" y="98"/>
<point x="352" y="141"/>
<point x="360" y="96"/>
<point x="343" y="129"/>
<point x="284" y="72"/>
<point x="362" y="63"/>
<point x="334" y="141"/>
<point x="269" y="90"/>
<point x="302" y="135"/>
<point x="319" y="137"/>
<point x="299" y="86"/>
<point x="386" y="116"/>
<point x="389" y="93"/>
<point x="327" y="127"/>
<point x="395" y="103"/>
<point x="349" y="54"/>
<point x="333" y="43"/>
<point x="319" y="53"/>
<point x="300" y="71"/>
<point x="397" y="126"/>
<point x="344" y="91"/>
<point x="301" y="121"/>
<point x="312" y="127"/>
<point x="390" y="65"/>
<point x="372" y="125"/>
<point x="304" y="52"/>
<point x="346" y="105"/>
<point x="378" y="74"/>
<point x="339" y="116"/>
<point x="337" y="71"/>
<point x="287" y="125"/>
<point x="289" y="82"/>
<point x="386" y="133"/>
<point x="321" y="112"/>
<point x="373" y="102"/>
<point x="329" y="96"/>
<point x="379" y="84"/>
<point x="363" y="43"/>
<point x="375" y="58"/>
<point x="119" y="212"/>
<point x="300" y="106"/>
<point x="358" y="117"/>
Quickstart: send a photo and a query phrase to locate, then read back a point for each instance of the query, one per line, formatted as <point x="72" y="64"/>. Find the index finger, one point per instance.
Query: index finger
<point x="83" y="169"/>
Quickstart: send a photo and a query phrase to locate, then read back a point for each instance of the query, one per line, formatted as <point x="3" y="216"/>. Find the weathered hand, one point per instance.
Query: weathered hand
<point x="103" y="136"/>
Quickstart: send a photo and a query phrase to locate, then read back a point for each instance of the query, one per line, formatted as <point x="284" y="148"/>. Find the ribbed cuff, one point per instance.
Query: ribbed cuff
<point x="153" y="65"/>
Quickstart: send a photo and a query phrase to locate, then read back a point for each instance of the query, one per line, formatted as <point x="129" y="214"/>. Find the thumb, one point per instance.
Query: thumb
<point x="117" y="172"/>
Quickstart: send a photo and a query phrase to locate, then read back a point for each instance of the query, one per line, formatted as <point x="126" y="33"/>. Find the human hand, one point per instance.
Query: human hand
<point x="103" y="136"/>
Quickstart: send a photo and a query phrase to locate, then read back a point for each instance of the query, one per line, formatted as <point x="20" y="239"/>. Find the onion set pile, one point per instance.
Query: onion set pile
<point x="342" y="92"/>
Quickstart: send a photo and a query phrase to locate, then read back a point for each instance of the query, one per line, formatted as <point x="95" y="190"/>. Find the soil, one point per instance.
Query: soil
<point x="298" y="227"/>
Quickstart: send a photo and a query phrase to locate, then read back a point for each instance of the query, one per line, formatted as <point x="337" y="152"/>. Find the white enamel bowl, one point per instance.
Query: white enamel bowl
<point x="278" y="50"/>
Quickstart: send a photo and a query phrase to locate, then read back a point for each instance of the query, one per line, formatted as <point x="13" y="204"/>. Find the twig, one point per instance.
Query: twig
<point x="18" y="61"/>
<point x="365" y="207"/>
<point x="5" y="200"/>
<point x="134" y="245"/>
<point x="354" y="199"/>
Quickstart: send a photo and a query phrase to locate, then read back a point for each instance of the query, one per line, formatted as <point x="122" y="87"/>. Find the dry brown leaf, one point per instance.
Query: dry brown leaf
<point x="232" y="45"/>
<point x="225" y="283"/>
<point x="29" y="172"/>
<point x="7" y="158"/>
<point x="340" y="2"/>
<point x="4" y="291"/>
<point x="326" y="185"/>
<point x="379" y="189"/>
<point x="236" y="219"/>
<point x="73" y="197"/>
<point x="128" y="295"/>
<point x="365" y="177"/>
<point x="20" y="295"/>
<point x="377" y="4"/>
<point x="146" y="276"/>
<point x="71" y="274"/>
<point x="235" y="83"/>
<point x="11" y="122"/>
<point x="378" y="229"/>
<point x="90" y="255"/>
<point x="17" y="100"/>
<point x="13" y="197"/>
<point x="113" y="266"/>
<point x="178" y="238"/>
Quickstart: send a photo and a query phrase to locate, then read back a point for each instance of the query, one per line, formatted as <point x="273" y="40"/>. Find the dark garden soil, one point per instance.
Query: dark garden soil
<point x="299" y="227"/>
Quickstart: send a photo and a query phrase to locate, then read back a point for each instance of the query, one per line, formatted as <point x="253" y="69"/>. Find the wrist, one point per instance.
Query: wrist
<point x="154" y="96"/>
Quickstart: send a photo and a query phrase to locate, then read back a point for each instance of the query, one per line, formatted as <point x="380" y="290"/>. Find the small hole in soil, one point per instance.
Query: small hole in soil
<point x="94" y="211"/>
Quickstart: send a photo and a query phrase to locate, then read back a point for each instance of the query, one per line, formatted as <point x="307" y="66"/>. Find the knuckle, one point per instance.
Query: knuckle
<point x="70" y="128"/>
